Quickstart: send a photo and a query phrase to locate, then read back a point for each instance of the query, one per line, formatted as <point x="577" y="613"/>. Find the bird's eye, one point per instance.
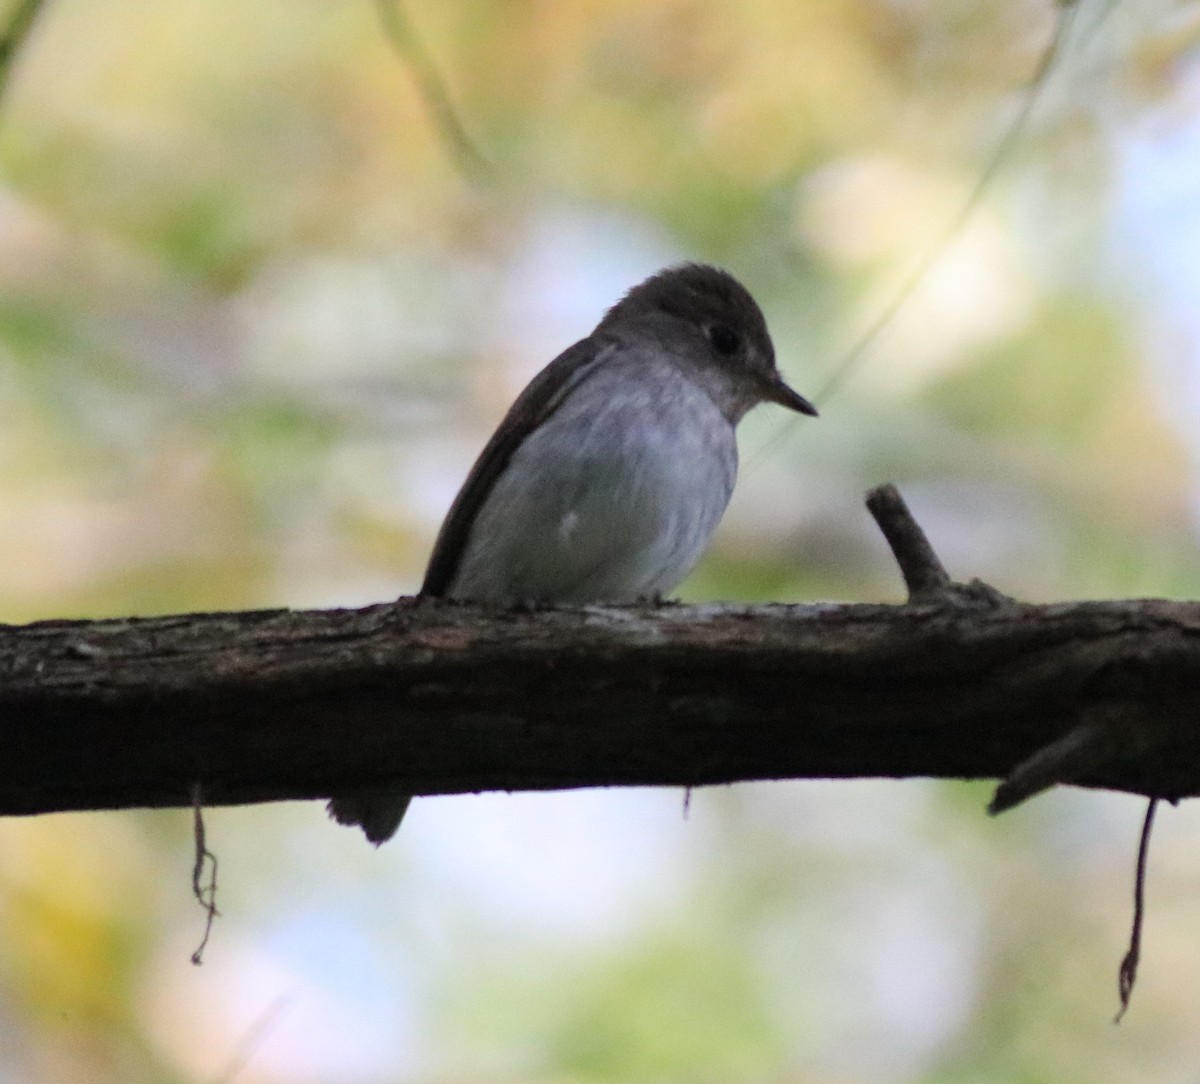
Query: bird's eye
<point x="724" y="339"/>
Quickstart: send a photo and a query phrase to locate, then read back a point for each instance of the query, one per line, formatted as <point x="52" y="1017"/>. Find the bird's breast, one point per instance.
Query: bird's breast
<point x="612" y="498"/>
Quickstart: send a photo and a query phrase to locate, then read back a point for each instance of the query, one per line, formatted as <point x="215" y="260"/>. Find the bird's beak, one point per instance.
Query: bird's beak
<point x="776" y="391"/>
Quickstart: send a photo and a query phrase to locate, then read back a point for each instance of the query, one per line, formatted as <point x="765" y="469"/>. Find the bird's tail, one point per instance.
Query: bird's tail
<point x="377" y="812"/>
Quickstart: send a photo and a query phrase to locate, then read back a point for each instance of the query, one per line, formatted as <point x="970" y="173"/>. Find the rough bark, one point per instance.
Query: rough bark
<point x="445" y="698"/>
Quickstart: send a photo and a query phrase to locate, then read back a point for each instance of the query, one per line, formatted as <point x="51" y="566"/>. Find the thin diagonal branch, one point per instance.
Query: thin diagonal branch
<point x="936" y="248"/>
<point x="407" y="44"/>
<point x="13" y="36"/>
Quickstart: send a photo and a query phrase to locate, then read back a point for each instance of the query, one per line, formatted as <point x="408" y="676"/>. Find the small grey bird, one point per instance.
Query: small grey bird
<point x="610" y="472"/>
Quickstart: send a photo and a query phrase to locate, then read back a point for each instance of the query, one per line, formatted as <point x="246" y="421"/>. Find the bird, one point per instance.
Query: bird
<point x="608" y="475"/>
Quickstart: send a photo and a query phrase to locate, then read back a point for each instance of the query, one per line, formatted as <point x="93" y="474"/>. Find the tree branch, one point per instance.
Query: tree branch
<point x="445" y="698"/>
<point x="13" y="35"/>
<point x="402" y="35"/>
<point x="441" y="698"/>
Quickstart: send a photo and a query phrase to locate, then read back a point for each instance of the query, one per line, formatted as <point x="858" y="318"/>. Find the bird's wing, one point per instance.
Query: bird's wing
<point x="533" y="406"/>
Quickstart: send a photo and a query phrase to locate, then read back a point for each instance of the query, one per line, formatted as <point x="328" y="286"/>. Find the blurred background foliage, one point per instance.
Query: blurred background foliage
<point x="255" y="322"/>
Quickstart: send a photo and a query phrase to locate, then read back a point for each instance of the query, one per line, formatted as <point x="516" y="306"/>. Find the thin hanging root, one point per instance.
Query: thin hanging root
<point x="1127" y="974"/>
<point x="205" y="893"/>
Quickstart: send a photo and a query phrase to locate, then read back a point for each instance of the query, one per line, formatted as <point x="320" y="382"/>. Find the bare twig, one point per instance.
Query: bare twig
<point x="205" y="893"/>
<point x="408" y="47"/>
<point x="13" y="36"/>
<point x="1066" y="760"/>
<point x="1127" y="974"/>
<point x="924" y="575"/>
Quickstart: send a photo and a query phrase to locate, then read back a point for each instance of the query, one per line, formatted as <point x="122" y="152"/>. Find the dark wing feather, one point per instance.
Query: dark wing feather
<point x="533" y="406"/>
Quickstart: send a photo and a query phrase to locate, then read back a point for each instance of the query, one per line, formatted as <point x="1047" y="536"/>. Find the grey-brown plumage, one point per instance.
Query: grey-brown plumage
<point x="608" y="475"/>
